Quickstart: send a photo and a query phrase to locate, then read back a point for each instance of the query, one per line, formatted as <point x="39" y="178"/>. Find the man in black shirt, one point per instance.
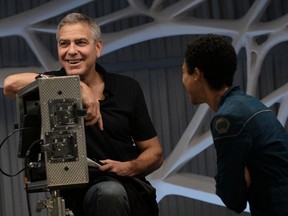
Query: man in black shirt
<point x="119" y="132"/>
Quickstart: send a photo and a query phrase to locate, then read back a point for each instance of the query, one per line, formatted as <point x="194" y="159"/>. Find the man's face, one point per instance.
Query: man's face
<point x="77" y="49"/>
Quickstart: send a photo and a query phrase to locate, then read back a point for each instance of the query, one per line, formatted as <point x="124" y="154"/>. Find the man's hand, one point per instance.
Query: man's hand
<point x="150" y="159"/>
<point x="92" y="105"/>
<point x="116" y="167"/>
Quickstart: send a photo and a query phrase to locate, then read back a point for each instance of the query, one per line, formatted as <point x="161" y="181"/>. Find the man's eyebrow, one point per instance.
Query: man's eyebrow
<point x="77" y="39"/>
<point x="82" y="38"/>
<point x="62" y="39"/>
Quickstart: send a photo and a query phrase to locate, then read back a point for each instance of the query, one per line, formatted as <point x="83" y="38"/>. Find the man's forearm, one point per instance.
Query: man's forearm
<point x="15" y="82"/>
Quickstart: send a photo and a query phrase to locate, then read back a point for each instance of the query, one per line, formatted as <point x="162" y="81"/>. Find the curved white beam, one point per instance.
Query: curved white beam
<point x="243" y="32"/>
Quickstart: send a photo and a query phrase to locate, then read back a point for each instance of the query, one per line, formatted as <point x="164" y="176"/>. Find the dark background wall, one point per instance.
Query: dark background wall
<point x="146" y="40"/>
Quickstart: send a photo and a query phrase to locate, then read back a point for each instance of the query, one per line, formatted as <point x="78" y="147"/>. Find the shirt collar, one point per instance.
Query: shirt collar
<point x="230" y="91"/>
<point x="108" y="80"/>
<point x="107" y="77"/>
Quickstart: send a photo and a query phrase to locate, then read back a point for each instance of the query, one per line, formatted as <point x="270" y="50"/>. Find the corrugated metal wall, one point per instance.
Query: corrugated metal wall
<point x="157" y="65"/>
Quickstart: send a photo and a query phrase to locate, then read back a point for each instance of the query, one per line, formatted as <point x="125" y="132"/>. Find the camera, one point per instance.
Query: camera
<point x="52" y="138"/>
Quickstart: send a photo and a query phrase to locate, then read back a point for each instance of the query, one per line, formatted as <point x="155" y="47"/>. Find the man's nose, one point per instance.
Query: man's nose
<point x="72" y="49"/>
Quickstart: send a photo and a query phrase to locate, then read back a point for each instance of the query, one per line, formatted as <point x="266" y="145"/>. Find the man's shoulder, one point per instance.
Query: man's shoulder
<point x="123" y="79"/>
<point x="121" y="76"/>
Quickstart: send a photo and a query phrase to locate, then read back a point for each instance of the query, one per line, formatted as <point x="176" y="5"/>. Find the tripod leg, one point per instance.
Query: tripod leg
<point x="55" y="205"/>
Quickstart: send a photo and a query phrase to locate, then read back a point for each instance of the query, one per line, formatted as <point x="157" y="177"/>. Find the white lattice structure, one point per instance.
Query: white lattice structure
<point x="243" y="32"/>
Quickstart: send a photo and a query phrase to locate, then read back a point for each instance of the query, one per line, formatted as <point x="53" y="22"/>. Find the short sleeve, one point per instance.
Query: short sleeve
<point x="143" y="127"/>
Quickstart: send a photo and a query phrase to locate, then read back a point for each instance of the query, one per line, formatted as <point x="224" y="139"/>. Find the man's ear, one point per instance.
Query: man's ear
<point x="99" y="47"/>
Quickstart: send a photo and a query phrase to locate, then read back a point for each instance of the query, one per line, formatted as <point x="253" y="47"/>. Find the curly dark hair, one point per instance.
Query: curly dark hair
<point x="215" y="57"/>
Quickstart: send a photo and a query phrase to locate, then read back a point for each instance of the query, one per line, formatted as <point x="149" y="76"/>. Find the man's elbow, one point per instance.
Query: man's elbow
<point x="10" y="88"/>
<point x="160" y="159"/>
<point x="13" y="83"/>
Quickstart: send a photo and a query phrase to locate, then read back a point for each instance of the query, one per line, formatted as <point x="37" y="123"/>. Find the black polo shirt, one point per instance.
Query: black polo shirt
<point x="125" y="119"/>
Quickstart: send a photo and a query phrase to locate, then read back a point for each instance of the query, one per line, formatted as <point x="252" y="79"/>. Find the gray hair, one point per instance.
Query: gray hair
<point x="73" y="18"/>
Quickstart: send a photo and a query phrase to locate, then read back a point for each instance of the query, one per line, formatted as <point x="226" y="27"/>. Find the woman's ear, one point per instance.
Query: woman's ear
<point x="196" y="73"/>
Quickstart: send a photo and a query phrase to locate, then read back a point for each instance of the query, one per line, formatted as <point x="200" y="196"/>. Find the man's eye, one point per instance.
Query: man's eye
<point x="81" y="43"/>
<point x="63" y="44"/>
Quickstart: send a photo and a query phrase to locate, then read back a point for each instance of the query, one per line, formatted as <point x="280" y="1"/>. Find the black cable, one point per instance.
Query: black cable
<point x="28" y="200"/>
<point x="30" y="147"/>
<point x="2" y="143"/>
<point x="16" y="130"/>
<point x="26" y="168"/>
<point x="11" y="175"/>
<point x="25" y="162"/>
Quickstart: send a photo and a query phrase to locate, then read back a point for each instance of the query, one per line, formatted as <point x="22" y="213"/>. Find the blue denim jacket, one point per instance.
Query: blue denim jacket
<point x="247" y="133"/>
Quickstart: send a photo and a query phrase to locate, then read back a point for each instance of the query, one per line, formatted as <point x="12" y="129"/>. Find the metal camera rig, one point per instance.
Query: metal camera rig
<point x="52" y="142"/>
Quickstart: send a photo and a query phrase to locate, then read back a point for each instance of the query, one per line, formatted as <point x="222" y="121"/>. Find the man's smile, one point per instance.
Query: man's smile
<point x="74" y="61"/>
